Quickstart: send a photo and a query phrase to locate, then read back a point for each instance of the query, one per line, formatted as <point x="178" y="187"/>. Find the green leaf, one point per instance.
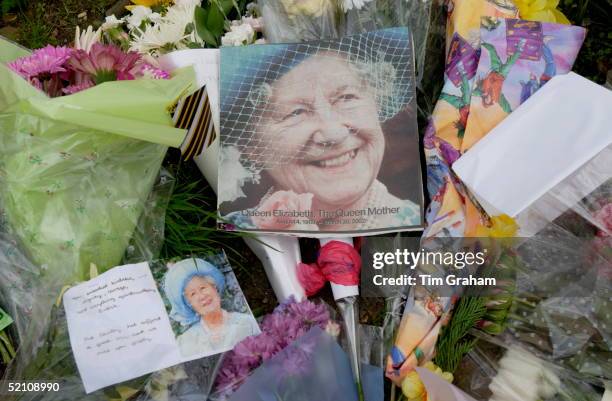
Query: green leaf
<point x="201" y="19"/>
<point x="215" y="21"/>
<point x="227" y="5"/>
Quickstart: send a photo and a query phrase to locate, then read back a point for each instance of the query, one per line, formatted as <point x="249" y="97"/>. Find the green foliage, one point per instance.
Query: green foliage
<point x="7" y="352"/>
<point x="210" y="20"/>
<point x="7" y="6"/>
<point x="191" y="220"/>
<point x="455" y="341"/>
<point x="35" y="32"/>
<point x="595" y="58"/>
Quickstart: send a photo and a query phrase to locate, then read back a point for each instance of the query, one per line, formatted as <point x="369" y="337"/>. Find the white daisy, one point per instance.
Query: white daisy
<point x="111" y="22"/>
<point x="167" y="32"/>
<point x="239" y="35"/>
<point x="84" y="40"/>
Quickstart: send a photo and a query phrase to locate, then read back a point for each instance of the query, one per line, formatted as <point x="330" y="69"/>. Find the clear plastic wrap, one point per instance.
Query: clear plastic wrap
<point x="33" y="299"/>
<point x="380" y="14"/>
<point x="493" y="372"/>
<point x="562" y="297"/>
<point x="587" y="192"/>
<point x="291" y="21"/>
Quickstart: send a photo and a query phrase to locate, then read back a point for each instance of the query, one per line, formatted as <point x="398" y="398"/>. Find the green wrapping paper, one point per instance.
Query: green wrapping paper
<point x="76" y="170"/>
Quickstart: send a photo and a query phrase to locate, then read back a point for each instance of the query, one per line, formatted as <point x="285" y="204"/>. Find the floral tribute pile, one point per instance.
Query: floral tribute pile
<point x="84" y="130"/>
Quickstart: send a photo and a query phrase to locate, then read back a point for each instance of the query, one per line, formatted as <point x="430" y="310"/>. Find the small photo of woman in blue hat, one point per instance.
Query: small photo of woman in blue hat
<point x="195" y="288"/>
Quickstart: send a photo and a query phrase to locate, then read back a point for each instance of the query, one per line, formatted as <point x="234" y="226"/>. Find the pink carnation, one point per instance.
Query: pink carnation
<point x="70" y="89"/>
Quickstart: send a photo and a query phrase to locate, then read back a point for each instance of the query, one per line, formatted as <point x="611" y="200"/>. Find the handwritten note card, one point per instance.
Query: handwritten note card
<point x="140" y="318"/>
<point x="118" y="325"/>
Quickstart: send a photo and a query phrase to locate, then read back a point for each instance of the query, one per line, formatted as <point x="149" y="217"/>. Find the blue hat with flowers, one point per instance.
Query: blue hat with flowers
<point x="384" y="58"/>
<point x="177" y="278"/>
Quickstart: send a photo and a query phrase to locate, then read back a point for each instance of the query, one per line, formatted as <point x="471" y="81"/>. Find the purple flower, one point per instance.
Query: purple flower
<point x="289" y="322"/>
<point x="230" y="377"/>
<point x="296" y="361"/>
<point x="252" y="351"/>
<point x="285" y="328"/>
<point x="310" y="313"/>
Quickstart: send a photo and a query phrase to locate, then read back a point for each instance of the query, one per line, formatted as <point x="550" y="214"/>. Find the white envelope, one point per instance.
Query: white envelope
<point x="542" y="145"/>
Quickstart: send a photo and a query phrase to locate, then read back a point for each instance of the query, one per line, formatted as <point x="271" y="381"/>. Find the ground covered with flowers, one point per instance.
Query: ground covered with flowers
<point x="190" y="227"/>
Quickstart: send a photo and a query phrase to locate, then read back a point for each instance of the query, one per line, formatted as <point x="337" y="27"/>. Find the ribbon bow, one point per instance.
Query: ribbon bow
<point x="338" y="262"/>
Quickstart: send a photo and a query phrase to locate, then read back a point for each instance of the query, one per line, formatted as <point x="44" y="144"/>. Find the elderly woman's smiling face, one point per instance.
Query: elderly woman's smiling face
<point x="202" y="295"/>
<point x="322" y="117"/>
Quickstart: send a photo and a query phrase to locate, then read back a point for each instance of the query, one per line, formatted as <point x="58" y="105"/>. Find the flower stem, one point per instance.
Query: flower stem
<point x="360" y="391"/>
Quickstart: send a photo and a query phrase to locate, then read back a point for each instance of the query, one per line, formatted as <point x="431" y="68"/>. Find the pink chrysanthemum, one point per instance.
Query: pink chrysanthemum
<point x="45" y="69"/>
<point x="48" y="60"/>
<point x="106" y="63"/>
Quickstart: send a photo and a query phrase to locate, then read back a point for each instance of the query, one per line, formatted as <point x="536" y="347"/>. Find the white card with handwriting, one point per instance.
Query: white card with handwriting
<point x="137" y="319"/>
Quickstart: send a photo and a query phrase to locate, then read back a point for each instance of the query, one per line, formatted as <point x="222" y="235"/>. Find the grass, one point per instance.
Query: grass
<point x="35" y="32"/>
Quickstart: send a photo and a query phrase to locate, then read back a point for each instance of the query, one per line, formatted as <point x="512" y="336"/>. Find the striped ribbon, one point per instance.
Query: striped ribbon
<point x="194" y="114"/>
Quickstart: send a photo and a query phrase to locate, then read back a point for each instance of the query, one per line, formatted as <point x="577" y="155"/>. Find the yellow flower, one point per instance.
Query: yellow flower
<point x="412" y="386"/>
<point x="149" y="3"/>
<point x="310" y="8"/>
<point x="414" y="389"/>
<point x="502" y="226"/>
<point x="541" y="10"/>
<point x="430" y="366"/>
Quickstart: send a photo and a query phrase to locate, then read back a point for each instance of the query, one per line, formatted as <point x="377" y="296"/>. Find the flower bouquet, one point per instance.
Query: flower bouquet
<point x="288" y="21"/>
<point x="493" y="372"/>
<point x="289" y="322"/>
<point x="83" y="132"/>
<point x="489" y="61"/>
<point x="562" y="297"/>
<point x="83" y="135"/>
<point x="295" y="358"/>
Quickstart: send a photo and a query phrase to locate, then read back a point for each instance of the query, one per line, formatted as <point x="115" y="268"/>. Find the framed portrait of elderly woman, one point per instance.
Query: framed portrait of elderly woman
<point x="140" y="318"/>
<point x="320" y="138"/>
